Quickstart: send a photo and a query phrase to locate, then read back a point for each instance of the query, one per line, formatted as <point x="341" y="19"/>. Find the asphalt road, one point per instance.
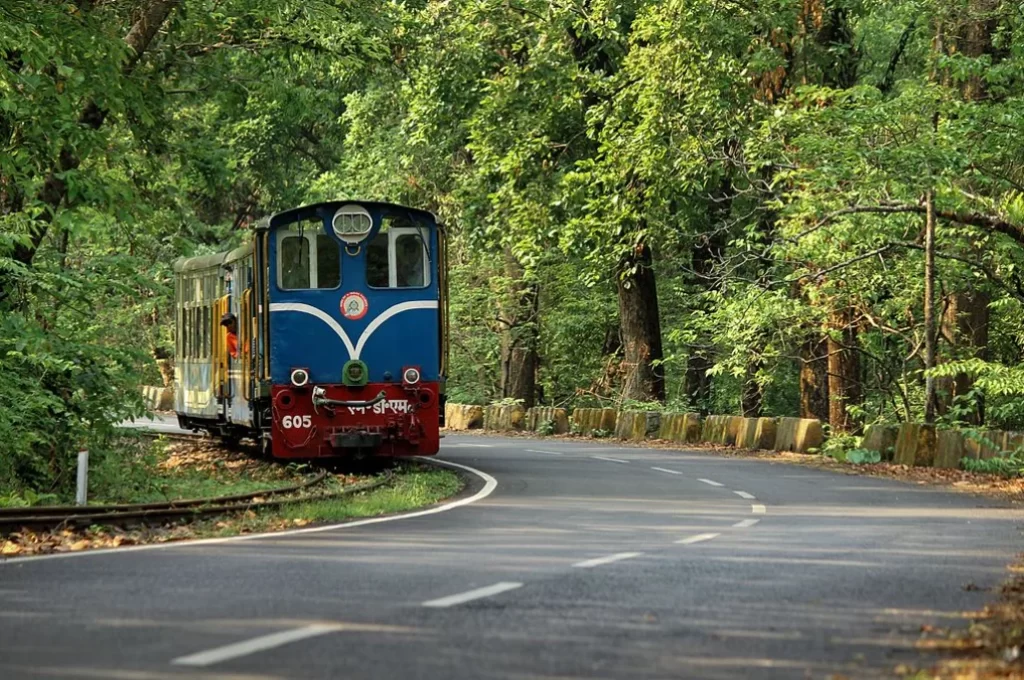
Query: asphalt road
<point x="576" y="560"/>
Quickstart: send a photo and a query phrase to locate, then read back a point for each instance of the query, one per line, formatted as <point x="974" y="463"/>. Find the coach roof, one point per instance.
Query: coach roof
<point x="201" y="262"/>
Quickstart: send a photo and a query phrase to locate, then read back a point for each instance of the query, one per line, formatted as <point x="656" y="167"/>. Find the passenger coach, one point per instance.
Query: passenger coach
<point x="324" y="335"/>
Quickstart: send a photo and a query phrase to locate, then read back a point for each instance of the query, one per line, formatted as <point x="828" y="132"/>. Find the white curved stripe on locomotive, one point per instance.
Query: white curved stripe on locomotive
<point x="353" y="352"/>
<point x="387" y="314"/>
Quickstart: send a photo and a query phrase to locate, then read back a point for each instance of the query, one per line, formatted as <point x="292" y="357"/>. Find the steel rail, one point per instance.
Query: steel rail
<point x="54" y="510"/>
<point x="84" y="518"/>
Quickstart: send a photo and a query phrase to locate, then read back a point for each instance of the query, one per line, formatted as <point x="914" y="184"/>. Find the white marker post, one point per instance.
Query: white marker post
<point x="82" y="488"/>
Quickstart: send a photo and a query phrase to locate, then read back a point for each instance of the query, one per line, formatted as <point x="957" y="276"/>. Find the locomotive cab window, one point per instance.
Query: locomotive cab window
<point x="398" y="257"/>
<point x="307" y="258"/>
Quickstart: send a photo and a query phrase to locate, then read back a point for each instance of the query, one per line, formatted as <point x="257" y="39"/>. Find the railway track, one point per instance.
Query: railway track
<point x="58" y="517"/>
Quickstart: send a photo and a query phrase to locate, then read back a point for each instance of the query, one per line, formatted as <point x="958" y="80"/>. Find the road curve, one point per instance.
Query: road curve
<point x="585" y="561"/>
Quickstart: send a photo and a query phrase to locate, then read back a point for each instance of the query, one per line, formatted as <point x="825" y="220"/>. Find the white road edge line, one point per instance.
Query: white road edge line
<point x="550" y="453"/>
<point x="758" y="509"/>
<point x="490" y="484"/>
<point x="608" y="559"/>
<point x="744" y="494"/>
<point x="246" y="647"/>
<point x="671" y="472"/>
<point x="476" y="594"/>
<point x="697" y="539"/>
<point x="610" y="460"/>
<point x="743" y="524"/>
<point x="710" y="481"/>
<point x="471" y="446"/>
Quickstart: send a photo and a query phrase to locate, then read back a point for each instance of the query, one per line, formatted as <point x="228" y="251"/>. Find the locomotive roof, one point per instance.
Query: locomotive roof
<point x="307" y="211"/>
<point x="201" y="262"/>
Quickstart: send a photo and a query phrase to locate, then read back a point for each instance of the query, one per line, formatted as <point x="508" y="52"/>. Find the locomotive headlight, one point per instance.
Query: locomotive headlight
<point x="352" y="224"/>
<point x="300" y="377"/>
<point x="411" y="376"/>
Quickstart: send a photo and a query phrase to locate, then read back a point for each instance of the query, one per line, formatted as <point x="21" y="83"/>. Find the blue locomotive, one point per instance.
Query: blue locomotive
<point x="324" y="335"/>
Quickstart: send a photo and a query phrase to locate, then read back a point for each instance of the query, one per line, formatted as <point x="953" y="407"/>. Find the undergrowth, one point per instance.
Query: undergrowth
<point x="137" y="469"/>
<point x="1007" y="465"/>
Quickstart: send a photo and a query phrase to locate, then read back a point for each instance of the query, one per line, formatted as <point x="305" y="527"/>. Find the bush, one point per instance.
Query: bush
<point x="58" y="395"/>
<point x="546" y="428"/>
<point x="1007" y="465"/>
<point x="863" y="456"/>
<point x="838" y="446"/>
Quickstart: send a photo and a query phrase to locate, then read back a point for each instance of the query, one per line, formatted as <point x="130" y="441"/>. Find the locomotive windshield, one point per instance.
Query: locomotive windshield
<point x="308" y="258"/>
<point x="398" y="257"/>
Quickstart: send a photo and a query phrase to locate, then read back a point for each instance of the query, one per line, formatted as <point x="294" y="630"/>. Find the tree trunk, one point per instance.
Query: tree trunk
<point x="965" y="321"/>
<point x="519" y="371"/>
<point x="965" y="324"/>
<point x="844" y="385"/>
<point x="980" y="21"/>
<point x="706" y="254"/>
<point x="641" y="327"/>
<point x="705" y="257"/>
<point x="751" y="397"/>
<point x="520" y="337"/>
<point x="698" y="382"/>
<point x="814" y="379"/>
<point x="929" y="308"/>
<point x="836" y="34"/>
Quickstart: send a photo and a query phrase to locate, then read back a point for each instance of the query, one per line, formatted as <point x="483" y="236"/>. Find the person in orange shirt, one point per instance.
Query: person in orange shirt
<point x="231" y="324"/>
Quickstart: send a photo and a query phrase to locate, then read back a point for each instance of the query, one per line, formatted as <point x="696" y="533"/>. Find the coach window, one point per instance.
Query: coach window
<point x="307" y="259"/>
<point x="397" y="257"/>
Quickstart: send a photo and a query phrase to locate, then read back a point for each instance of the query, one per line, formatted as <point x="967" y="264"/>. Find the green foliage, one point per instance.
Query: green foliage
<point x="1006" y="465"/>
<point x="839" y="446"/>
<point x="863" y="456"/>
<point x="27" y="498"/>
<point x="600" y="433"/>
<point x="773" y="157"/>
<point x="546" y="428"/>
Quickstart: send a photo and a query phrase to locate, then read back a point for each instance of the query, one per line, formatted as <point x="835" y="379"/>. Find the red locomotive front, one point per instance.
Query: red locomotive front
<point x="331" y="420"/>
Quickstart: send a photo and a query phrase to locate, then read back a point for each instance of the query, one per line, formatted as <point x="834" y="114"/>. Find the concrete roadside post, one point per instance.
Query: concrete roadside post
<point x="82" y="486"/>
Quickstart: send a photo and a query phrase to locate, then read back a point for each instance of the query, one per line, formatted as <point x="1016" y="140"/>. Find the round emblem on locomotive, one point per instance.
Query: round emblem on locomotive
<point x="354" y="306"/>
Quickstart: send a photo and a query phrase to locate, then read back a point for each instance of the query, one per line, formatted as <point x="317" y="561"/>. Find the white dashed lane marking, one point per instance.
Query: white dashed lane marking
<point x="671" y="472"/>
<point x="758" y="509"/>
<point x="744" y="494"/>
<point x="743" y="524"/>
<point x="608" y="559"/>
<point x="610" y="460"/>
<point x="550" y="453"/>
<point x="470" y="595"/>
<point x="259" y="644"/>
<point x="710" y="481"/>
<point x="697" y="539"/>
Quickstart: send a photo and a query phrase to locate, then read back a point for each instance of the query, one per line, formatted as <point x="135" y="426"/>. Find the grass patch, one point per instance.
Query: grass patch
<point x="148" y="470"/>
<point x="414" y="487"/>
